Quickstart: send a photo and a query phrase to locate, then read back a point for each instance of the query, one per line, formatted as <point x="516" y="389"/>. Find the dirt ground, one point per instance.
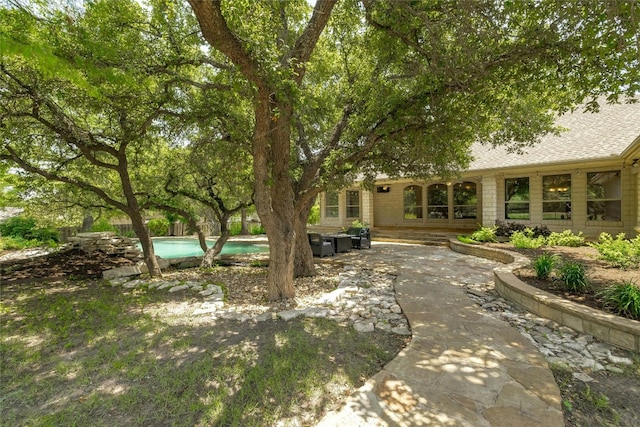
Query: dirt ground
<point x="611" y="399"/>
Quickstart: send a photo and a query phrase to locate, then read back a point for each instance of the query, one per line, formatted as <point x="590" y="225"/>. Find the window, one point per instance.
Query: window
<point x="465" y="202"/>
<point x="556" y="197"/>
<point x="604" y="195"/>
<point x="353" y="204"/>
<point x="413" y="202"/>
<point x="438" y="201"/>
<point x="331" y="208"/>
<point x="516" y="198"/>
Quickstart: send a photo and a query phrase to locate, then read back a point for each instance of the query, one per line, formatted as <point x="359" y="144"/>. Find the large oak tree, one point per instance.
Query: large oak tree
<point x="403" y="88"/>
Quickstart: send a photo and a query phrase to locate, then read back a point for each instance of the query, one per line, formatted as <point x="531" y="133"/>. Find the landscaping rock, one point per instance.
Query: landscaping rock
<point x="125" y="271"/>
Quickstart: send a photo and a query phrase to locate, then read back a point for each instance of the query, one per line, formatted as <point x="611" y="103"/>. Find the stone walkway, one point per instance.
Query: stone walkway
<point x="474" y="359"/>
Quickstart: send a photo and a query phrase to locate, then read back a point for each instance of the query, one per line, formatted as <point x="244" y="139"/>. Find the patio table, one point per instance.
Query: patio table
<point x="341" y="242"/>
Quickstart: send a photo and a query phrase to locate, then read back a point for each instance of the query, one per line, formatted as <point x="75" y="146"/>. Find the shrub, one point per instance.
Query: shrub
<point x="541" y="230"/>
<point x="158" y="226"/>
<point x="17" y="226"/>
<point x="484" y="234"/>
<point x="258" y="229"/>
<point x="314" y="215"/>
<point x="573" y="276"/>
<point x="526" y="240"/>
<point x="18" y="243"/>
<point x="566" y="238"/>
<point x="24" y="230"/>
<point x="623" y="298"/>
<point x="619" y="252"/>
<point x="465" y="239"/>
<point x="235" y="228"/>
<point x="544" y="265"/>
<point x="102" y="225"/>
<point x="506" y="229"/>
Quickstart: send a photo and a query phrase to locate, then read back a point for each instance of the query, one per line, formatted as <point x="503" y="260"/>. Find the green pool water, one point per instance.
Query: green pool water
<point x="172" y="247"/>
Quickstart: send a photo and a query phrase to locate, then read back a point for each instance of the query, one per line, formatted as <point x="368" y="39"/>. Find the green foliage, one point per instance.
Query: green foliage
<point x="623" y="298"/>
<point x="17" y="226"/>
<point x="158" y="226"/>
<point x="484" y="234"/>
<point x="103" y="225"/>
<point x="619" y="252"/>
<point x="359" y="224"/>
<point x="544" y="265"/>
<point x="465" y="239"/>
<point x="526" y="240"/>
<point x="566" y="238"/>
<point x="573" y="275"/>
<point x="235" y="228"/>
<point x="24" y="232"/>
<point x="258" y="229"/>
<point x="314" y="215"/>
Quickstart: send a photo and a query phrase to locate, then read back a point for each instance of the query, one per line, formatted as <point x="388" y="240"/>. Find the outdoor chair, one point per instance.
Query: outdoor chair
<point x="319" y="246"/>
<point x="360" y="237"/>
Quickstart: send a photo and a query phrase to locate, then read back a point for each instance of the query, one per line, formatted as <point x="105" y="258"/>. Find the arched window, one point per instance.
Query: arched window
<point x="438" y="201"/>
<point x="465" y="201"/>
<point x="413" y="202"/>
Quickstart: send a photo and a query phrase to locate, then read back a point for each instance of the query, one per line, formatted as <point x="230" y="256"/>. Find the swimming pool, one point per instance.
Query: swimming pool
<point x="176" y="247"/>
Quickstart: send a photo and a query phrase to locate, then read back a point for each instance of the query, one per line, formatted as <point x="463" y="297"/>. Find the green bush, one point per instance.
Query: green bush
<point x="235" y="228"/>
<point x="19" y="243"/>
<point x="573" y="276"/>
<point x="465" y="239"/>
<point x="24" y="230"/>
<point x="17" y="226"/>
<point x="314" y="215"/>
<point x="484" y="234"/>
<point x="544" y="265"/>
<point x="623" y="298"/>
<point x="566" y="238"/>
<point x="102" y="225"/>
<point x="526" y="240"/>
<point x="618" y="252"/>
<point x="158" y="226"/>
<point x="258" y="229"/>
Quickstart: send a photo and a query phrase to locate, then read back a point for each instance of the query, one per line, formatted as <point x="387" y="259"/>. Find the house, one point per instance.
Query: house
<point x="585" y="179"/>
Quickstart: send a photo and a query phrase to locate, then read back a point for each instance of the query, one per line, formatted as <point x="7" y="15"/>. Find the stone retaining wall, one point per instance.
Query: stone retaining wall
<point x="616" y="330"/>
<point x="106" y="242"/>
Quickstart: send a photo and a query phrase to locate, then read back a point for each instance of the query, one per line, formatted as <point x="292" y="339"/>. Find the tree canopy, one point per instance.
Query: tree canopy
<point x="319" y="96"/>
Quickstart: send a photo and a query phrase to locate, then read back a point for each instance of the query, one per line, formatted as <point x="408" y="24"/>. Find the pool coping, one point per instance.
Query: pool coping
<point x="610" y="328"/>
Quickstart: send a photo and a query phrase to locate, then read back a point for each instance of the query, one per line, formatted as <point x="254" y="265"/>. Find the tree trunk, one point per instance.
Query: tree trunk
<point x="211" y="253"/>
<point x="244" y="230"/>
<point x="147" y="245"/>
<point x="280" y="284"/>
<point x="274" y="195"/>
<point x="87" y="223"/>
<point x="303" y="264"/>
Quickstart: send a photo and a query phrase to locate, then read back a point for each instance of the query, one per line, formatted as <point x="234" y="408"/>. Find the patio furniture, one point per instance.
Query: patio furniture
<point x="340" y="242"/>
<point x="360" y="237"/>
<point x="319" y="246"/>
